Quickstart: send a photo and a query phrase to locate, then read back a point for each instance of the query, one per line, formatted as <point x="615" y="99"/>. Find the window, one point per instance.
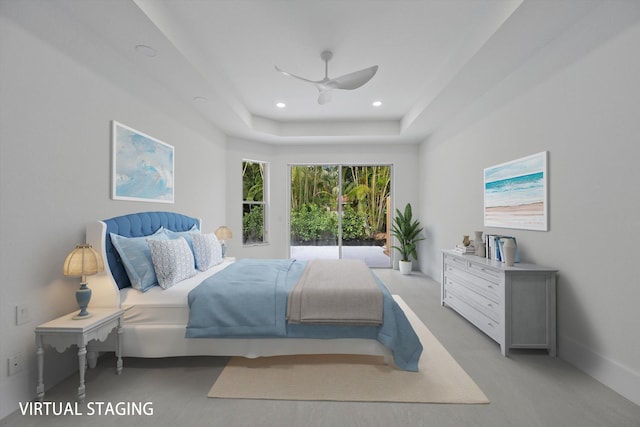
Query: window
<point x="254" y="202"/>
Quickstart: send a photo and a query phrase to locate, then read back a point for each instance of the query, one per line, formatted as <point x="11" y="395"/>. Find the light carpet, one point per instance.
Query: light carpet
<point x="351" y="378"/>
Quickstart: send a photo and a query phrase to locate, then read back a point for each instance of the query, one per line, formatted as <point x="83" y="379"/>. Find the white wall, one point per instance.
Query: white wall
<point x="55" y="171"/>
<point x="404" y="185"/>
<point x="58" y="96"/>
<point x="586" y="115"/>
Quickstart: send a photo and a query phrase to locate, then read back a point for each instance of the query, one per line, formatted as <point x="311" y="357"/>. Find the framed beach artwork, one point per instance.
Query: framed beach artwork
<point x="142" y="166"/>
<point x="515" y="194"/>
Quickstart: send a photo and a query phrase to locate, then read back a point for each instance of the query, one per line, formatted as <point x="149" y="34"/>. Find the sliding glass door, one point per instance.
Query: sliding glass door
<point x="313" y="218"/>
<point x="366" y="197"/>
<point x="340" y="211"/>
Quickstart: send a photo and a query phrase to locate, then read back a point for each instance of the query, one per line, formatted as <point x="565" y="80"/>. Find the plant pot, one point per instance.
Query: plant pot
<point x="404" y="266"/>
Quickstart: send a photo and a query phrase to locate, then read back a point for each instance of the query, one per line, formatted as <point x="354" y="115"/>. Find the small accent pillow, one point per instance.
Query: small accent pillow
<point x="207" y="251"/>
<point x="135" y="255"/>
<point x="173" y="261"/>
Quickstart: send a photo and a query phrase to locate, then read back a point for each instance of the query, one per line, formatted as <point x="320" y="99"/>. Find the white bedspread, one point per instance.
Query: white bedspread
<point x="160" y="306"/>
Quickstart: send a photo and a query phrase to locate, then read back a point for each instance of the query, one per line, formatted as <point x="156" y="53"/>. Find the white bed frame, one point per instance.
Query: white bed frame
<point x="153" y="341"/>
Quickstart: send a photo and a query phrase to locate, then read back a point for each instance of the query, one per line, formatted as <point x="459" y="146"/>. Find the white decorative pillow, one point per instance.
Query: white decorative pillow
<point x="207" y="251"/>
<point x="188" y="235"/>
<point x="172" y="260"/>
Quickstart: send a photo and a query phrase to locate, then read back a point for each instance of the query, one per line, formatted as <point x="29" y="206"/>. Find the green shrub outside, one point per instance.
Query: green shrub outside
<point x="252" y="225"/>
<point x="312" y="223"/>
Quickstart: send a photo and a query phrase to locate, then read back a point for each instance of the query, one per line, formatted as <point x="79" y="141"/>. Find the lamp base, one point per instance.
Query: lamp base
<point x="83" y="296"/>
<point x="82" y="316"/>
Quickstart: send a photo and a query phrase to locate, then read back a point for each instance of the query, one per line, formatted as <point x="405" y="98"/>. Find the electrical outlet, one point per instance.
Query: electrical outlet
<point x="16" y="364"/>
<point x="23" y="314"/>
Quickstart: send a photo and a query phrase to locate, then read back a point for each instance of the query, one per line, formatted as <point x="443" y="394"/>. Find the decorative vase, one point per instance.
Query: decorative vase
<point x="404" y="266"/>
<point x="466" y="241"/>
<point x="479" y="244"/>
<point x="509" y="249"/>
<point x="477" y="238"/>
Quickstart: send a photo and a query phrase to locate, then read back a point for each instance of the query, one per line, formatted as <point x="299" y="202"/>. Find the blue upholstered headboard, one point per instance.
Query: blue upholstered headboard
<point x="138" y="225"/>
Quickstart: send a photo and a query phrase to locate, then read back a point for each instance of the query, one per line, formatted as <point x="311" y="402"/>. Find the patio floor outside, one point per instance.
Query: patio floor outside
<point x="373" y="256"/>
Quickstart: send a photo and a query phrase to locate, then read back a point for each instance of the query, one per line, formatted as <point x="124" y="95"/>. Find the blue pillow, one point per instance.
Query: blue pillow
<point x="136" y="257"/>
<point x="186" y="234"/>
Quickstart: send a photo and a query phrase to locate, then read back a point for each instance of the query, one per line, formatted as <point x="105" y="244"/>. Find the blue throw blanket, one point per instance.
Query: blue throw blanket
<point x="246" y="299"/>
<point x="249" y="299"/>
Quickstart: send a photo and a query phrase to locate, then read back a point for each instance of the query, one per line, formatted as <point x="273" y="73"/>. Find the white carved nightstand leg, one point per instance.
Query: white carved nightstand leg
<point x="40" y="355"/>
<point x="82" y="363"/>
<point x="119" y="349"/>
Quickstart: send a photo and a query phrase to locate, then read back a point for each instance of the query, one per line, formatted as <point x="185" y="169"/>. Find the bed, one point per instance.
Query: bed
<point x="156" y="320"/>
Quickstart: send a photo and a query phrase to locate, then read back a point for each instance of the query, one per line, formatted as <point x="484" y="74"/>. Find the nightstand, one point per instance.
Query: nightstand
<point x="64" y="332"/>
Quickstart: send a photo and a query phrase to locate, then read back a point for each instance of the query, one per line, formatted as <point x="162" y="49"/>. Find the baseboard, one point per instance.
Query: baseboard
<point x="617" y="377"/>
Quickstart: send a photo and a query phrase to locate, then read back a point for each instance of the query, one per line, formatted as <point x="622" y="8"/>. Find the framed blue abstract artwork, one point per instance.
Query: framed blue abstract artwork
<point x="515" y="194"/>
<point x="142" y="166"/>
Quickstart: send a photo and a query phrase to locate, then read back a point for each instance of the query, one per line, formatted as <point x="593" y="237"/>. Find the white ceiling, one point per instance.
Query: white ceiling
<point x="436" y="58"/>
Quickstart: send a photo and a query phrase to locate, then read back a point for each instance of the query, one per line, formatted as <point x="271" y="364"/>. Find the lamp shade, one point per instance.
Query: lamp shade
<point x="224" y="233"/>
<point x="82" y="261"/>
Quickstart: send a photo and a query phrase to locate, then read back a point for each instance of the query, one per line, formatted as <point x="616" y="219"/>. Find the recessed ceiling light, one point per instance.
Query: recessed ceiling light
<point x="376" y="103"/>
<point x="145" y="50"/>
<point x="281" y="105"/>
<point x="200" y="99"/>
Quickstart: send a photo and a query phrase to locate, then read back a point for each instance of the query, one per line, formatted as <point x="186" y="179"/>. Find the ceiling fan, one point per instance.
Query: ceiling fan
<point x="325" y="86"/>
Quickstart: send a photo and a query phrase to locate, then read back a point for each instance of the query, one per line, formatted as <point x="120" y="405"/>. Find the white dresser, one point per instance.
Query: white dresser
<point x="515" y="306"/>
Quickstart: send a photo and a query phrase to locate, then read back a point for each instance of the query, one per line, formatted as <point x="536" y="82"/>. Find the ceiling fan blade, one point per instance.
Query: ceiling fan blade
<point x="326" y="85"/>
<point x="286" y="73"/>
<point x="353" y="80"/>
<point x="325" y="96"/>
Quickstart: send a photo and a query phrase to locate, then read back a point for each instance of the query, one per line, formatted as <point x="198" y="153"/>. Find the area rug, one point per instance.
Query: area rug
<point x="351" y="378"/>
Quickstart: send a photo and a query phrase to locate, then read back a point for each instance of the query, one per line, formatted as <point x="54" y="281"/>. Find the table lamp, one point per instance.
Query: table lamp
<point x="83" y="261"/>
<point x="223" y="233"/>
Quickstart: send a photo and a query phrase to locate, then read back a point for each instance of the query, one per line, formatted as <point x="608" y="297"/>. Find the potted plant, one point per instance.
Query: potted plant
<point x="407" y="231"/>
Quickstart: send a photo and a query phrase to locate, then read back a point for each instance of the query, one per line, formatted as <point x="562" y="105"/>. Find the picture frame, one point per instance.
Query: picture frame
<point x="516" y="193"/>
<point x="142" y="166"/>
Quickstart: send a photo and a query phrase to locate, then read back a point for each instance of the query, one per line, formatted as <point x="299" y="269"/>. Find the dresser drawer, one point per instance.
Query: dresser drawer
<point x="487" y="273"/>
<point x="460" y="263"/>
<point x="489" y="289"/>
<point x="482" y="322"/>
<point x="470" y="265"/>
<point x="486" y="306"/>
